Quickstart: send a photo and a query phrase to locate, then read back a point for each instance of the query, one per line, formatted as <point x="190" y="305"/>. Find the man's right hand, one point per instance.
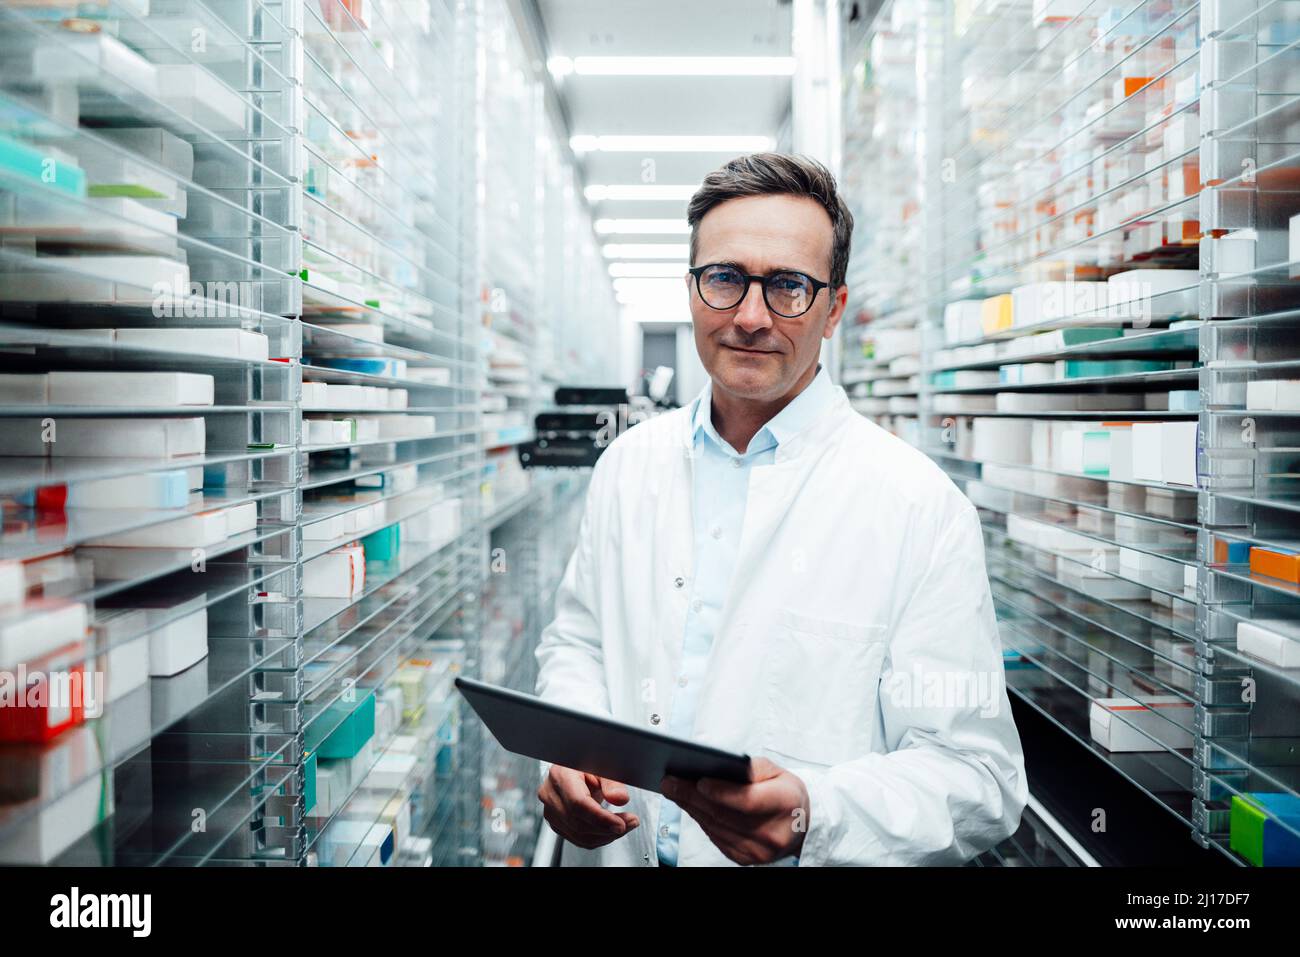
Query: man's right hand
<point x="572" y="801"/>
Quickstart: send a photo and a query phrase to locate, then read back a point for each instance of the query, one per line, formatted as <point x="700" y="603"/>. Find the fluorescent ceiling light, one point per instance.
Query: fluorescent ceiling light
<point x="680" y="251"/>
<point x="657" y="312"/>
<point x="561" y="66"/>
<point x="649" y="288"/>
<point x="648" y="269"/>
<point x="639" y="191"/>
<point x="647" y="226"/>
<point x="585" y="143"/>
<point x="678" y="304"/>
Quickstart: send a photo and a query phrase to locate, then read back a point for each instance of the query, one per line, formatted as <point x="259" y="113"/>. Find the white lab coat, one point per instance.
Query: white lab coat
<point x="855" y="639"/>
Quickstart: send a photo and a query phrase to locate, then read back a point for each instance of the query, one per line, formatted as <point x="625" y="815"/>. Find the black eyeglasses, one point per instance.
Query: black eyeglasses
<point x="787" y="293"/>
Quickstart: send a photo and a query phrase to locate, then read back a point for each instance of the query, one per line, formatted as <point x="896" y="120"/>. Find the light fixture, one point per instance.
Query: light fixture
<point x="646" y="250"/>
<point x="648" y="288"/>
<point x="639" y="191"/>
<point x="562" y="66"/>
<point x="675" y="312"/>
<point x="647" y="226"/>
<point x="587" y="143"/>
<point x="647" y="270"/>
<point x="679" y="303"/>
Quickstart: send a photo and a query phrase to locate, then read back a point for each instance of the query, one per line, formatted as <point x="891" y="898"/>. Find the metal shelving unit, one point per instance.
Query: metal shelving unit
<point x="547" y="304"/>
<point x="1105" y="192"/>
<point x="282" y="197"/>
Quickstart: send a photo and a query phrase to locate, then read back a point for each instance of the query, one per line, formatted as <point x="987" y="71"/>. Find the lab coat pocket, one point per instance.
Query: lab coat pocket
<point x="822" y="683"/>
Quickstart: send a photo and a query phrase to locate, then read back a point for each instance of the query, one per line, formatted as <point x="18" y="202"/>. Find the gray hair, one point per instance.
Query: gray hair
<point x="773" y="174"/>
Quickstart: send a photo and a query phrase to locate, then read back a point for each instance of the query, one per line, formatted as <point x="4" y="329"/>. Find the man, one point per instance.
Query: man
<point x="768" y="572"/>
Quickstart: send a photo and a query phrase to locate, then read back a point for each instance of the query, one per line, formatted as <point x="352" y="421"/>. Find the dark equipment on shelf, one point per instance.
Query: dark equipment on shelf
<point x="575" y="437"/>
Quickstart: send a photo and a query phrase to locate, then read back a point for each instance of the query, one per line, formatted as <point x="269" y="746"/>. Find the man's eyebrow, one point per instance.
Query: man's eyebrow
<point x="771" y="272"/>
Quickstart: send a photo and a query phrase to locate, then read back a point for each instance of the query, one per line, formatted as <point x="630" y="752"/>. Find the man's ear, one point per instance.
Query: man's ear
<point x="839" y="303"/>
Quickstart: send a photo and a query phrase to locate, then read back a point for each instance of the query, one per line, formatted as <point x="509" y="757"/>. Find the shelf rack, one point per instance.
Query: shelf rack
<point x="299" y="221"/>
<point x="1137" y="160"/>
<point x="545" y="303"/>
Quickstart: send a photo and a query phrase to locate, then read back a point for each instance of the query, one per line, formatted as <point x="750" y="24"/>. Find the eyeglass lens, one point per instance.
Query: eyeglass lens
<point x="788" y="294"/>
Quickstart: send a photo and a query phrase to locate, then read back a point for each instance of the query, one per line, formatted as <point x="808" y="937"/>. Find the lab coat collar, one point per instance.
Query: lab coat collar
<point x="785" y="429"/>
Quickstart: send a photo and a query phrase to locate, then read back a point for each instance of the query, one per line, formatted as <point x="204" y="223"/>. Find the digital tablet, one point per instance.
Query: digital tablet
<point x="525" y="724"/>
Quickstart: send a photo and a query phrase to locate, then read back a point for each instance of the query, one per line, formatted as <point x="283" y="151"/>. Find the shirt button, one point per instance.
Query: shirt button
<point x="735" y="463"/>
<point x="654" y="719"/>
<point x="716" y="531"/>
<point x="663" y="830"/>
<point x="681" y="682"/>
<point x="697" y="605"/>
<point x="679" y="582"/>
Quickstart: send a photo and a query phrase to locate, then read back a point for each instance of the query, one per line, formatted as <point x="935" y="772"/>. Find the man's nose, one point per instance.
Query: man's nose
<point x="752" y="314"/>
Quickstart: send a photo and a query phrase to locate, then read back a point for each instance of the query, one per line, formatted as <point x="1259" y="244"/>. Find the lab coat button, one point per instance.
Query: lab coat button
<point x="681" y="682"/>
<point x="645" y="858"/>
<point x="679" y="582"/>
<point x="654" y="719"/>
<point x="716" y="531"/>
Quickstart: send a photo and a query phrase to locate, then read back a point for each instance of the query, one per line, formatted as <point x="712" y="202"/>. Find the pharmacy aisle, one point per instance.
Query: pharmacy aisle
<point x="273" y="322"/>
<point x="1102" y="343"/>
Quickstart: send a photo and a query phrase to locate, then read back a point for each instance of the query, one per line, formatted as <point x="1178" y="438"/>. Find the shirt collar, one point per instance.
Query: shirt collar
<point x="801" y="412"/>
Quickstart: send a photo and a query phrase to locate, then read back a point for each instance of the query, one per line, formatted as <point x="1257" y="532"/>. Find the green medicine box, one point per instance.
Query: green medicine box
<point x="1088" y="368"/>
<point x="40" y="168"/>
<point x="1257" y="835"/>
<point x="1079" y="337"/>
<point x="382" y="546"/>
<point x="309" y="782"/>
<point x="347" y="736"/>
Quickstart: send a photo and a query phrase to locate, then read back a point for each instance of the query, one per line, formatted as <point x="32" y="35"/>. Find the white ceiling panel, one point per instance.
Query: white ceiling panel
<point x="616" y="168"/>
<point x="671" y="105"/>
<point x="716" y="105"/>
<point x="667" y="27"/>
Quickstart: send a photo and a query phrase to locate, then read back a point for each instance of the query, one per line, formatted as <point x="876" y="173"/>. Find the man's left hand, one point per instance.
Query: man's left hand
<point x="755" y="823"/>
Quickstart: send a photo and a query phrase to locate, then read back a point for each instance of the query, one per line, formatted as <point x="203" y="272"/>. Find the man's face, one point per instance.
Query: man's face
<point x="748" y="350"/>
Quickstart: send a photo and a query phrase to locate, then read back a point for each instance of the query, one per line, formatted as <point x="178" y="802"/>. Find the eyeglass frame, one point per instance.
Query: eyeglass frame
<point x="817" y="285"/>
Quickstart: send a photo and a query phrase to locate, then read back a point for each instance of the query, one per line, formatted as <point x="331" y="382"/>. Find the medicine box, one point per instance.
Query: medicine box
<point x="60" y="823"/>
<point x="352" y="733"/>
<point x="1148" y="455"/>
<point x="195" y="93"/>
<point x="230" y="343"/>
<point x="31" y="631"/>
<point x="340" y="573"/>
<point x="1276" y="563"/>
<point x="1263" y="828"/>
<point x="1281" y="395"/>
<point x="183" y="641"/>
<point x="309" y="769"/>
<point x="382" y="545"/>
<point x="1154" y="723"/>
<point x="1274" y="640"/>
<point x="156" y="145"/>
<point x="53" y="702"/>
<point x="193" y="531"/>
<point x="1178" y="453"/>
<point x="126" y="667"/>
<point x="129" y="438"/>
<point x="150" y="490"/>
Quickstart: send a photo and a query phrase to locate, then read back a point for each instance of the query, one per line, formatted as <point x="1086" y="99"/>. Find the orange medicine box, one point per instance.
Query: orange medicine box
<point x="1276" y="563"/>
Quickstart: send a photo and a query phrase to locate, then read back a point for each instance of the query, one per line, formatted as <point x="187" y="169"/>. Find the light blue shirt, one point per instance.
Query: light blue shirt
<point x="721" y="486"/>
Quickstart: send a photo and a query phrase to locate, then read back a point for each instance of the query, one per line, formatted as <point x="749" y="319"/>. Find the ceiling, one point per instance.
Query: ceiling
<point x="672" y="105"/>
